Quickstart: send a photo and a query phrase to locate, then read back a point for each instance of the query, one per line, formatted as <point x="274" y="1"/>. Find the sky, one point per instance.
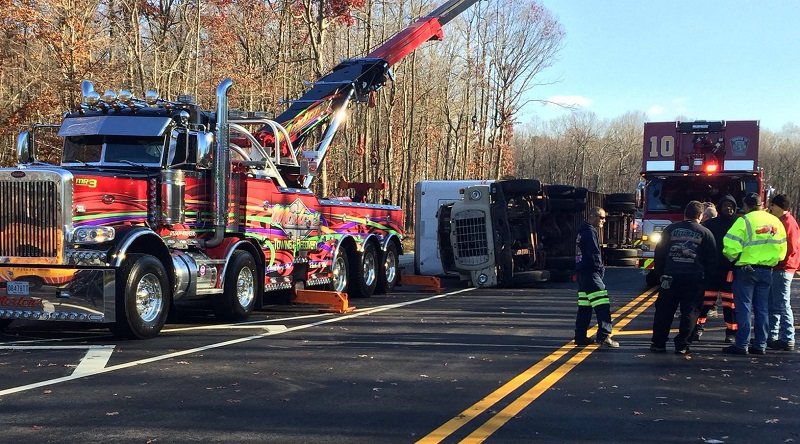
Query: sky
<point x="697" y="60"/>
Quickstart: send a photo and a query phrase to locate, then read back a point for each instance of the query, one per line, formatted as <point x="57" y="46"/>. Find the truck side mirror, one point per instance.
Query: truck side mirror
<point x="205" y="151"/>
<point x="639" y="198"/>
<point x="24" y="147"/>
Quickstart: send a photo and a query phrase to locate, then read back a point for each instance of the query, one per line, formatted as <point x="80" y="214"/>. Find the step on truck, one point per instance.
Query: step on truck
<point x="156" y="202"/>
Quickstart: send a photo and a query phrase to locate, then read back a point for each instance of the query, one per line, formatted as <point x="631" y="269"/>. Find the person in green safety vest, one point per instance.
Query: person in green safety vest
<point x="755" y="243"/>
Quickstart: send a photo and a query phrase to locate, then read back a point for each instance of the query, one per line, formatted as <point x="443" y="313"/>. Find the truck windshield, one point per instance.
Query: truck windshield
<point x="671" y="194"/>
<point x="113" y="149"/>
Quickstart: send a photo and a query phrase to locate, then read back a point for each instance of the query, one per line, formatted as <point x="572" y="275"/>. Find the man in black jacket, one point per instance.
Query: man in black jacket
<point x="719" y="283"/>
<point x="686" y="254"/>
<point x="592" y="293"/>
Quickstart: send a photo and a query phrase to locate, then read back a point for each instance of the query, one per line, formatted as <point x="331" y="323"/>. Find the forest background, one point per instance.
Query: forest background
<point x="452" y="112"/>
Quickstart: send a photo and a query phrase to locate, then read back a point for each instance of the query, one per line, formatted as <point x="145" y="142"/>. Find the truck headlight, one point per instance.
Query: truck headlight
<point x="656" y="238"/>
<point x="475" y="195"/>
<point x="92" y="235"/>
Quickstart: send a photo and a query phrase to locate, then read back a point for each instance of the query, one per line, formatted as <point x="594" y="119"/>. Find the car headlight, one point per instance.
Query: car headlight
<point x="92" y="235"/>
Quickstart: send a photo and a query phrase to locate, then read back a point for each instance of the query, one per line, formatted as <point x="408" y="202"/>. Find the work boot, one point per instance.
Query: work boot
<point x="609" y="343"/>
<point x="779" y="344"/>
<point x="582" y="342"/>
<point x="734" y="350"/>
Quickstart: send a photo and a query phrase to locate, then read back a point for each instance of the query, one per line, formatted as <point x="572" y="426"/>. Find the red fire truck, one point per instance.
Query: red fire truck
<point x="158" y="201"/>
<point x="700" y="160"/>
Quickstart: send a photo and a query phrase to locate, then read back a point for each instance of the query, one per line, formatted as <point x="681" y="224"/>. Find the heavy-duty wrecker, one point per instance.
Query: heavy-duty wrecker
<point x="155" y="202"/>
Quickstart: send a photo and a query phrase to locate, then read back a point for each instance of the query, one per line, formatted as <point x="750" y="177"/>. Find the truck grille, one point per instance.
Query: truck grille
<point x="471" y="244"/>
<point x="30" y="223"/>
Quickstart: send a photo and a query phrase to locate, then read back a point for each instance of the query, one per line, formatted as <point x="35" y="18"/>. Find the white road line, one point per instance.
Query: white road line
<point x="95" y="359"/>
<point x="190" y="351"/>
<point x="270" y="328"/>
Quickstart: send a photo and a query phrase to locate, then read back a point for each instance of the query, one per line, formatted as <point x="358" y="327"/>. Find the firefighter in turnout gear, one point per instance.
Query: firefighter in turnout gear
<point x="719" y="282"/>
<point x="755" y="243"/>
<point x="592" y="293"/>
<point x="684" y="257"/>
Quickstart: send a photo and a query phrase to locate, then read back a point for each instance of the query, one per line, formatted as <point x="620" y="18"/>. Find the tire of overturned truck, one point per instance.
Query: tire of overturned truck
<point x="562" y="191"/>
<point x="620" y="197"/>
<point x="364" y="276"/>
<point x="620" y="207"/>
<point x="561" y="268"/>
<point x="623" y="262"/>
<point x="561" y="275"/>
<point x="142" y="297"/>
<point x="527" y="278"/>
<point x="518" y="186"/>
<point x="241" y="290"/>
<point x="388" y="270"/>
<point x="622" y="253"/>
<point x="567" y="205"/>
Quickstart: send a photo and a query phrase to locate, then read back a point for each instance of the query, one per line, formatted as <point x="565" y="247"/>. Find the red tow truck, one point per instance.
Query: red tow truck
<point x="699" y="160"/>
<point x="156" y="202"/>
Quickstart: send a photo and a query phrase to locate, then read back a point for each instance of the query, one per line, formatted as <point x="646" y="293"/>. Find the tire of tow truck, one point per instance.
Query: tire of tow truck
<point x="388" y="270"/>
<point x="620" y="197"/>
<point x="622" y="253"/>
<point x="339" y="272"/>
<point x="143" y="297"/>
<point x="518" y="186"/>
<point x="241" y="291"/>
<point x="364" y="276"/>
<point x="623" y="262"/>
<point x="4" y="323"/>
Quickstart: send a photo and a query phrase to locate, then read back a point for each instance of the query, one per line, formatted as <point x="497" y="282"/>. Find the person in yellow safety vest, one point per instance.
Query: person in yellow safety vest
<point x="755" y="243"/>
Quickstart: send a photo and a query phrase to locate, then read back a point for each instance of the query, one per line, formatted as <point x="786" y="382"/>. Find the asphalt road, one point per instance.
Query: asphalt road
<point x="464" y="365"/>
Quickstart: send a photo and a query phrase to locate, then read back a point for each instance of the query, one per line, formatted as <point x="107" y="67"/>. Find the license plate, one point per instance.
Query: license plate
<point x="20" y="288"/>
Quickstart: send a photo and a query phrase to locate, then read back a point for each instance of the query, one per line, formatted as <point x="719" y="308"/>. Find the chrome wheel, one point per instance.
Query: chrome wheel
<point x="339" y="272"/>
<point x="245" y="287"/>
<point x="369" y="266"/>
<point x="149" y="298"/>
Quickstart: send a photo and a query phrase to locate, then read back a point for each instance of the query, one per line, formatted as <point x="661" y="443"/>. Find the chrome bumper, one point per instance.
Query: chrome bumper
<point x="48" y="294"/>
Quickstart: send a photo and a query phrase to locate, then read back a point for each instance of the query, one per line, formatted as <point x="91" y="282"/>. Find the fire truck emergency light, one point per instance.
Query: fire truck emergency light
<point x="711" y="167"/>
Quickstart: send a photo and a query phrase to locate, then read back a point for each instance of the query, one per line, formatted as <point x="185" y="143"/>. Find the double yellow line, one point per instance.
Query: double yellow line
<point x="638" y="305"/>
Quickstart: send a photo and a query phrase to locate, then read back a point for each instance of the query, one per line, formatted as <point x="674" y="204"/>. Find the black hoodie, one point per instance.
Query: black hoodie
<point x="718" y="227"/>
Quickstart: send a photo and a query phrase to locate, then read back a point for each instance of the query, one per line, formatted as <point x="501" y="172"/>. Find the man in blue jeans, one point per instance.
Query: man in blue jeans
<point x="781" y="318"/>
<point x="755" y="243"/>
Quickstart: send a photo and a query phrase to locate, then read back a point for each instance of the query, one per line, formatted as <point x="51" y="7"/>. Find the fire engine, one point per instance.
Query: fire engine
<point x="685" y="161"/>
<point x="158" y="201"/>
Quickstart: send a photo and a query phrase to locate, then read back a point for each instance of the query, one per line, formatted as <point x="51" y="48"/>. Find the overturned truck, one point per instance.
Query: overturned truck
<point x="514" y="233"/>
